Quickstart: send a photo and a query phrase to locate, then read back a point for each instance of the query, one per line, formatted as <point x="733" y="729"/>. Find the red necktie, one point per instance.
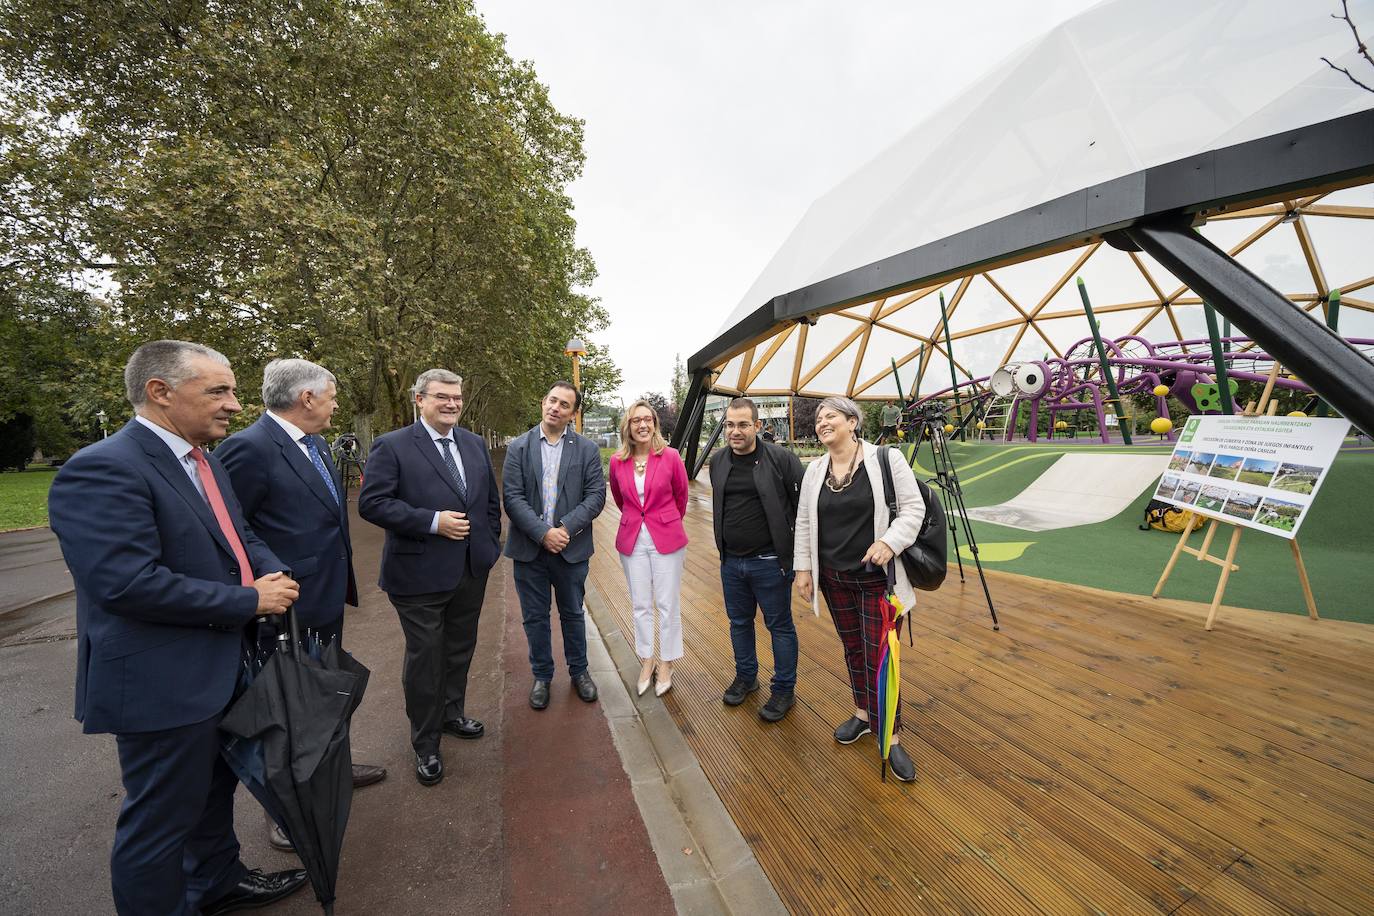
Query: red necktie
<point x="226" y="525"/>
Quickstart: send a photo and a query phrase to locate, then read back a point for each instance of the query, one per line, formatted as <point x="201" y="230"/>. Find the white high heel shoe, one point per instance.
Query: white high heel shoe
<point x="644" y="682"/>
<point x="664" y="684"/>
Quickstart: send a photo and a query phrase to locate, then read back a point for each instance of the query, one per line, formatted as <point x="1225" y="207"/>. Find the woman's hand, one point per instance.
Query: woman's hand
<point x="879" y="554"/>
<point x="804" y="584"/>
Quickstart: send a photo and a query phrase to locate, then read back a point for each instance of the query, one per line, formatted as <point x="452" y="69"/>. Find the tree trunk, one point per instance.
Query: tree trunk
<point x="362" y="428"/>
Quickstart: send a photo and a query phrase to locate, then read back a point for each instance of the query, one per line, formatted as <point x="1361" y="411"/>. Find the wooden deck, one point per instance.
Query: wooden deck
<point x="1101" y="754"/>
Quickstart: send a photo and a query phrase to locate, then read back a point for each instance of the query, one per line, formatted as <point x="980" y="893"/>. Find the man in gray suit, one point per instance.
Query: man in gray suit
<point x="553" y="489"/>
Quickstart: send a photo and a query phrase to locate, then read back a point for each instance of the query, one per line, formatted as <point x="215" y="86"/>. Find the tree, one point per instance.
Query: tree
<point x="371" y="184"/>
<point x="667" y="412"/>
<point x="17" y="440"/>
<point x="601" y="378"/>
<point x="59" y="365"/>
<point x="1360" y="47"/>
<point x="804" y="417"/>
<point x="680" y="381"/>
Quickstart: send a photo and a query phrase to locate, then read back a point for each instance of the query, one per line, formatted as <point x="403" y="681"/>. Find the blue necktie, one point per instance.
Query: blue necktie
<point x="318" y="462"/>
<point x="453" y="469"/>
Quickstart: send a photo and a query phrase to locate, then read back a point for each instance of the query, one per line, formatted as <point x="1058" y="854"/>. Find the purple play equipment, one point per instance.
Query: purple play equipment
<point x="1073" y="382"/>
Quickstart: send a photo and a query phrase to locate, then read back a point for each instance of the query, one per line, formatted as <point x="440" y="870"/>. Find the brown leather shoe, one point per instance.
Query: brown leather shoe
<point x="365" y="774"/>
<point x="278" y="839"/>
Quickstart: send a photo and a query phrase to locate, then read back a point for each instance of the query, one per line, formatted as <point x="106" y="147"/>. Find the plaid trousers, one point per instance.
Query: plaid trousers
<point x="854" y="599"/>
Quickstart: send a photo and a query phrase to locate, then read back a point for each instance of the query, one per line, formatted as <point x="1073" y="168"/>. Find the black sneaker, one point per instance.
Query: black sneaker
<point x="851" y="731"/>
<point x="778" y="703"/>
<point x="903" y="767"/>
<point x="741" y="688"/>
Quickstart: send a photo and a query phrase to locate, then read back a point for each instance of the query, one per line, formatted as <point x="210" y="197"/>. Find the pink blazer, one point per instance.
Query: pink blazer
<point x="665" y="502"/>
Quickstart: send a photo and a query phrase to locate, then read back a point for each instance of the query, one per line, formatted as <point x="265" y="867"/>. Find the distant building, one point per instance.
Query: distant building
<point x="601" y="429"/>
<point x="772" y="411"/>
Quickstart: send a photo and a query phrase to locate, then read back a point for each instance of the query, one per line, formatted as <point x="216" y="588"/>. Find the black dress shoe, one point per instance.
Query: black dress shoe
<point x="429" y="769"/>
<point x="539" y="695"/>
<point x="741" y="688"/>
<point x="257" y="889"/>
<point x="463" y="727"/>
<point x="778" y="703"/>
<point x="851" y="731"/>
<point x="365" y="774"/>
<point x="586" y="687"/>
<point x="903" y="767"/>
<point x="278" y="840"/>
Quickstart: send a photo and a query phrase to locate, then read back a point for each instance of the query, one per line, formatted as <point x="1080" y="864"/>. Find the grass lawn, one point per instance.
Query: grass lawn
<point x="1337" y="537"/>
<point x="24" y="498"/>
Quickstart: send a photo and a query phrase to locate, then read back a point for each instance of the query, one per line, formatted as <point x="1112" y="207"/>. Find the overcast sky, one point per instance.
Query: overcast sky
<point x="712" y="125"/>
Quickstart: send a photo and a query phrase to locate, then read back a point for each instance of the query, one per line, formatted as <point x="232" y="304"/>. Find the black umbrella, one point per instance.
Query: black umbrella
<point x="287" y="738"/>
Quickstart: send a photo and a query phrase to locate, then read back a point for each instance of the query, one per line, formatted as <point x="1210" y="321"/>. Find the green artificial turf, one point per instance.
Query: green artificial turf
<point x="1337" y="538"/>
<point x="24" y="498"/>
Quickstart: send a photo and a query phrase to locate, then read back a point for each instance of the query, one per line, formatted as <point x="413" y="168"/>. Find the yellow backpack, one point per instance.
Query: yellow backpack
<point x="1162" y="516"/>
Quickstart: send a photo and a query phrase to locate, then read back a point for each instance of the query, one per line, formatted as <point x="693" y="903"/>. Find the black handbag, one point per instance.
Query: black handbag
<point x="925" y="561"/>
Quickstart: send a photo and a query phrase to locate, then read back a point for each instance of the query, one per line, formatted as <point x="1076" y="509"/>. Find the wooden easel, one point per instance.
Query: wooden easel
<point x="1228" y="565"/>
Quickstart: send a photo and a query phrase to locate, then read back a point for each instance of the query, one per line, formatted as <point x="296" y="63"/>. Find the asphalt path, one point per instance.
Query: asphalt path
<point x="485" y="840"/>
<point x="32" y="578"/>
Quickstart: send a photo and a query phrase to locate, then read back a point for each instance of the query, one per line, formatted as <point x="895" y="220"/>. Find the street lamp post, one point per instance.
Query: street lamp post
<point x="102" y="417"/>
<point x="576" y="349"/>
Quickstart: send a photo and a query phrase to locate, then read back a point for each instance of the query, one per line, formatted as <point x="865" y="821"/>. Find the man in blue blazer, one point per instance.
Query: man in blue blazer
<point x="432" y="487"/>
<point x="553" y="489"/>
<point x="292" y="498"/>
<point x="167" y="576"/>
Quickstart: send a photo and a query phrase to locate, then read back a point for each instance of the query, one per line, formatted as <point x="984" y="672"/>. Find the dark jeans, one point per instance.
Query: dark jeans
<point x="750" y="582"/>
<point x="441" y="634"/>
<point x="174" y="844"/>
<point x="567" y="581"/>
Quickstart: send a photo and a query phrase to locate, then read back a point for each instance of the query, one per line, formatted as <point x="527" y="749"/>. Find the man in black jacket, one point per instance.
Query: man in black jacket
<point x="754" y="492"/>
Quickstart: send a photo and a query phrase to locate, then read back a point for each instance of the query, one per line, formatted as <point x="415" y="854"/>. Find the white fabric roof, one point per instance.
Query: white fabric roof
<point x="1122" y="87"/>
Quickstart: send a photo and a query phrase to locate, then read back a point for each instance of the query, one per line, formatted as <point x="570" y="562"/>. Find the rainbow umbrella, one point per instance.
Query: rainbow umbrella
<point x="888" y="686"/>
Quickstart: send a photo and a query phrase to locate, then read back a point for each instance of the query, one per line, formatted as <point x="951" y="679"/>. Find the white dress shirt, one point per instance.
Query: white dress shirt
<point x="181" y="449"/>
<point x="457" y="459"/>
<point x="296" y="434"/>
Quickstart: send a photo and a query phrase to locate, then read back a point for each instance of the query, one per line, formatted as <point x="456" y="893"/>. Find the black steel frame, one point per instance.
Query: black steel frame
<point x="1148" y="207"/>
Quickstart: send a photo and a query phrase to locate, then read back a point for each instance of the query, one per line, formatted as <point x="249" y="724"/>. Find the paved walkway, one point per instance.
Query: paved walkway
<point x="33" y="579"/>
<point x="540" y="815"/>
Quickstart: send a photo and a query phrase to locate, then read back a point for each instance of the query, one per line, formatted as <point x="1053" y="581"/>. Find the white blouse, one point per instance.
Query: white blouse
<point x="899" y="535"/>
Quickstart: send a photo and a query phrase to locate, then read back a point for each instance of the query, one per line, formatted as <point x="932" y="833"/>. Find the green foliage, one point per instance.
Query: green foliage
<point x="678" y="392"/>
<point x="17" y="441"/>
<point x="371" y="184"/>
<point x="667" y="411"/>
<point x="873" y="419"/>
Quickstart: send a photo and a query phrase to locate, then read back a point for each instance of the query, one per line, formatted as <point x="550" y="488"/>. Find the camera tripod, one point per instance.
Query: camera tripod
<point x="932" y="427"/>
<point x="347" y="454"/>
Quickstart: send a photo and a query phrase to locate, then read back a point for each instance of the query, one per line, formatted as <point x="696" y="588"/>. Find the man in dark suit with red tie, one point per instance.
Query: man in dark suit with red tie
<point x="432" y="487"/>
<point x="292" y="498"/>
<point x="167" y="577"/>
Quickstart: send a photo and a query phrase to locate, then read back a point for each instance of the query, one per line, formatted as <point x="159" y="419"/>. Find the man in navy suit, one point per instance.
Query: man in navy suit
<point x="553" y="490"/>
<point x="432" y="487"/>
<point x="167" y="576"/>
<point x="292" y="498"/>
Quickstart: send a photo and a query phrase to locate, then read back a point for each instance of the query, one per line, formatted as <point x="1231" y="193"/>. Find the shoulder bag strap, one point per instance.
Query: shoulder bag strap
<point x="889" y="488"/>
<point x="890" y="494"/>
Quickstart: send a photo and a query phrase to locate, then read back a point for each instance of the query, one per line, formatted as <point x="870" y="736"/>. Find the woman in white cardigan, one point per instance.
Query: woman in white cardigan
<point x="844" y="542"/>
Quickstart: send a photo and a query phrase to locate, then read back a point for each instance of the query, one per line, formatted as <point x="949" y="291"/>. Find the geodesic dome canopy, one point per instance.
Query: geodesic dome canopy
<point x="1220" y="109"/>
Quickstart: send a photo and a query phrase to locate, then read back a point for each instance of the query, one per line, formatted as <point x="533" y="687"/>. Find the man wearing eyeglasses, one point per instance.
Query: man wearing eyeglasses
<point x="755" y="486"/>
<point x="431" y="486"/>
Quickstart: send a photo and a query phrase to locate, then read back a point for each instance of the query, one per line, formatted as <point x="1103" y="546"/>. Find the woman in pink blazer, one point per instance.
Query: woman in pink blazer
<point x="649" y="486"/>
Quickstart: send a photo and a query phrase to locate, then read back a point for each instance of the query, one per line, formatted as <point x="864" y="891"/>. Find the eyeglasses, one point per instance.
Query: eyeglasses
<point x="741" y="427"/>
<point x="642" y="421"/>
<point x="446" y="398"/>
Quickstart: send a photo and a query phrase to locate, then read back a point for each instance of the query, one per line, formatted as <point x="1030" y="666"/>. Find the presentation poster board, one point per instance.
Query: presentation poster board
<point x="1259" y="472"/>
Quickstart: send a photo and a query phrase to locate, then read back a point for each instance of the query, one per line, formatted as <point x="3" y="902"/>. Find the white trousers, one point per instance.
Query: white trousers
<point x="655" y="579"/>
